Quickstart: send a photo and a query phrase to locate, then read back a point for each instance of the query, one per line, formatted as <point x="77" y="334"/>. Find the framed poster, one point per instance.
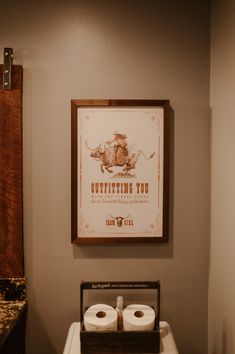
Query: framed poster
<point x="120" y="171"/>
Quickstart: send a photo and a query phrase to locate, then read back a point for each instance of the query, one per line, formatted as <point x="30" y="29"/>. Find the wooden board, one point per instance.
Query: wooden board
<point x="11" y="182"/>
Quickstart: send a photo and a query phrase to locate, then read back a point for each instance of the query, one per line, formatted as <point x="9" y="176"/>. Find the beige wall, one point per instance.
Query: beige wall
<point x="222" y="264"/>
<point x="112" y="49"/>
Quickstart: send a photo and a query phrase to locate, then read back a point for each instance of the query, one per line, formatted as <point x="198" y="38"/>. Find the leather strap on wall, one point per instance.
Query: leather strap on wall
<point x="11" y="183"/>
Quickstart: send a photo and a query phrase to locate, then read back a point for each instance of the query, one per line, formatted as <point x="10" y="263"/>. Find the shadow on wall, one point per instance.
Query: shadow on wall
<point x="227" y="339"/>
<point x="164" y="250"/>
<point x="223" y="346"/>
<point x="39" y="334"/>
<point x="127" y="251"/>
<point x="224" y="339"/>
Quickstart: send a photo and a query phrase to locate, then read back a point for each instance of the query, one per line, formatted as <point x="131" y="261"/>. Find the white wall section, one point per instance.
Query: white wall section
<point x="222" y="260"/>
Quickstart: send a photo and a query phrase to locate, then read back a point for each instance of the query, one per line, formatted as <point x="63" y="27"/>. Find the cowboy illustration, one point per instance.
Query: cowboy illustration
<point x="119" y="141"/>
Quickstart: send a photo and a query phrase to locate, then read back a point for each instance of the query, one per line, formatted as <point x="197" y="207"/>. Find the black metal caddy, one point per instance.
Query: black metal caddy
<point x="120" y="341"/>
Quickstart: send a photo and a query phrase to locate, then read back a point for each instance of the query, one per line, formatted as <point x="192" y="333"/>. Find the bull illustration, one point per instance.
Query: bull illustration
<point x="119" y="219"/>
<point x="107" y="155"/>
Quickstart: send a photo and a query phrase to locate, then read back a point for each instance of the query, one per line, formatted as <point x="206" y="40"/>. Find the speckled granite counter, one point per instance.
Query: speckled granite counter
<point x="12" y="304"/>
<point x="10" y="313"/>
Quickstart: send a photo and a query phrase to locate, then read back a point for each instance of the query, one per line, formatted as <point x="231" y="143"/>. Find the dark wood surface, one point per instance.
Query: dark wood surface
<point x="11" y="186"/>
<point x="75" y="104"/>
<point x="120" y="342"/>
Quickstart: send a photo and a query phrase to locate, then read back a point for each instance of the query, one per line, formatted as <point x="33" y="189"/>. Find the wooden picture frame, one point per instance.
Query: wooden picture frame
<point x="120" y="171"/>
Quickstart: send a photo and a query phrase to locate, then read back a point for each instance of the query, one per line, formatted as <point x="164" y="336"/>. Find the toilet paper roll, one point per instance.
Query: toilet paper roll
<point x="138" y="317"/>
<point x="100" y="317"/>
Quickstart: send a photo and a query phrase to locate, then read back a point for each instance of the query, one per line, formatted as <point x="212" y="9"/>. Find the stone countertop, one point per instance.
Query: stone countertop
<point x="12" y="304"/>
<point x="10" y="312"/>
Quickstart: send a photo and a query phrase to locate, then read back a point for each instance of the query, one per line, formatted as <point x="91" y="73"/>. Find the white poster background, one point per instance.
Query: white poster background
<point x="143" y="212"/>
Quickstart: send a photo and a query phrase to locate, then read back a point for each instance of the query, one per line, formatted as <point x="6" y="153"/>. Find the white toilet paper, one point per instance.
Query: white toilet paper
<point x="138" y="318"/>
<point x="100" y="317"/>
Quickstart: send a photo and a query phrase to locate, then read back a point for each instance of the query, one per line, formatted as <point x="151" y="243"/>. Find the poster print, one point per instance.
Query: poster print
<point x="119" y="173"/>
